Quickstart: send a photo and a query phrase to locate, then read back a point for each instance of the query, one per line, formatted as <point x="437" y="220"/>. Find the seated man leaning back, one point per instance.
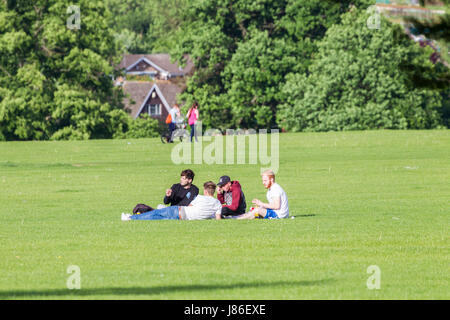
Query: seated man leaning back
<point x="202" y="207"/>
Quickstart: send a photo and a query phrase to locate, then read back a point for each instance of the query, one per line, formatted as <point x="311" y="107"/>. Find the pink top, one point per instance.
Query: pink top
<point x="193" y="116"/>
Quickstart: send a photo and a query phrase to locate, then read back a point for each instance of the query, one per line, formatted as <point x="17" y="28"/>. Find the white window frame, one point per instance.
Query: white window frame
<point x="158" y="109"/>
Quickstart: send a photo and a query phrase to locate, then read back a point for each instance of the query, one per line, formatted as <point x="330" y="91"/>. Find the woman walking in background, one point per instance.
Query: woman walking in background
<point x="192" y="116"/>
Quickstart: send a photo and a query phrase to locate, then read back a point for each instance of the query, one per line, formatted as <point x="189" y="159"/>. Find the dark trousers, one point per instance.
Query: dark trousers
<point x="193" y="132"/>
<point x="228" y="212"/>
<point x="172" y="128"/>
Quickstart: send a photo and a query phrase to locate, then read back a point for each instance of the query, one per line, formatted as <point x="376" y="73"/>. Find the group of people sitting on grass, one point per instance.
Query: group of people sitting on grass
<point x="187" y="204"/>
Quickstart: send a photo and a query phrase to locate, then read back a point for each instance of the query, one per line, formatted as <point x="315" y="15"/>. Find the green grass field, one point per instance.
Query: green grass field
<point x="359" y="199"/>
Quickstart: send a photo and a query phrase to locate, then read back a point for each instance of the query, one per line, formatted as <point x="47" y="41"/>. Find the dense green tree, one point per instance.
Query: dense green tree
<point x="254" y="78"/>
<point x="55" y="71"/>
<point x="243" y="49"/>
<point x="258" y="63"/>
<point x="143" y="127"/>
<point x="437" y="28"/>
<point x="145" y="26"/>
<point x="355" y="82"/>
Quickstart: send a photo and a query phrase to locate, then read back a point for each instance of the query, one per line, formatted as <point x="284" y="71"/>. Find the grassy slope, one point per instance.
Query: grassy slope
<point x="360" y="199"/>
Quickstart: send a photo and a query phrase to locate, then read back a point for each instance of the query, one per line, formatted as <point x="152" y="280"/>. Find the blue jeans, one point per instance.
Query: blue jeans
<point x="193" y="132"/>
<point x="168" y="213"/>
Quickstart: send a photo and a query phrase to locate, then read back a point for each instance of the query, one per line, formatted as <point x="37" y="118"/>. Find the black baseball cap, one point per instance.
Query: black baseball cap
<point x="223" y="180"/>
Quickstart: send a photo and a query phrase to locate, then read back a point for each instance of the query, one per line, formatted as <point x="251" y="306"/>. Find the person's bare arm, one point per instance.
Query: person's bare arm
<point x="274" y="205"/>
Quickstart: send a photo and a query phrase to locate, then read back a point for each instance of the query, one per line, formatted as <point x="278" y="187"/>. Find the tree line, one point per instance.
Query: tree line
<point x="297" y="65"/>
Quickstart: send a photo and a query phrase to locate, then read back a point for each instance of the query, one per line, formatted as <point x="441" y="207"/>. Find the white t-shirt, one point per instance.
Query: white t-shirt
<point x="203" y="207"/>
<point x="173" y="113"/>
<point x="277" y="191"/>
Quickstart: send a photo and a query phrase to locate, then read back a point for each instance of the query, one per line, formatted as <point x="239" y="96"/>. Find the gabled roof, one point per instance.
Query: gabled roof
<point x="169" y="91"/>
<point x="137" y="91"/>
<point x="160" y="61"/>
<point x="140" y="92"/>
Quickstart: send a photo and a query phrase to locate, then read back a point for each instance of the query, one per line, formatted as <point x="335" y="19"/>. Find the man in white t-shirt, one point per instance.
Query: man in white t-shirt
<point x="202" y="207"/>
<point x="278" y="206"/>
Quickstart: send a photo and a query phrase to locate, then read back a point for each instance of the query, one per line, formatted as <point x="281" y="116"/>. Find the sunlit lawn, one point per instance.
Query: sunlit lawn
<point x="359" y="199"/>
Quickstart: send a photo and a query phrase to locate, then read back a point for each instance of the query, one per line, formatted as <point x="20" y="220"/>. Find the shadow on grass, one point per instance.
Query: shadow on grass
<point x="124" y="291"/>
<point x="303" y="215"/>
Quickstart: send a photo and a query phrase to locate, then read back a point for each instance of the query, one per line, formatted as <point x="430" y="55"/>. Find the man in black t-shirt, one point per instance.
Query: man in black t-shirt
<point x="181" y="194"/>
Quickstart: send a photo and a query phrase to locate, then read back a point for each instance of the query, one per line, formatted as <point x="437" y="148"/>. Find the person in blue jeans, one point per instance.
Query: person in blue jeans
<point x="168" y="213"/>
<point x="202" y="207"/>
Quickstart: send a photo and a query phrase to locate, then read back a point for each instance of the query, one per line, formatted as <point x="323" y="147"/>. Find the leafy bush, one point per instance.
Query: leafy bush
<point x="242" y="51"/>
<point x="143" y="127"/>
<point x="70" y="133"/>
<point x="55" y="82"/>
<point x="356" y="83"/>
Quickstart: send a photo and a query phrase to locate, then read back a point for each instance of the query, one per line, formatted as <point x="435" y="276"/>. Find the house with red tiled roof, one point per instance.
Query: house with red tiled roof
<point x="157" y="95"/>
